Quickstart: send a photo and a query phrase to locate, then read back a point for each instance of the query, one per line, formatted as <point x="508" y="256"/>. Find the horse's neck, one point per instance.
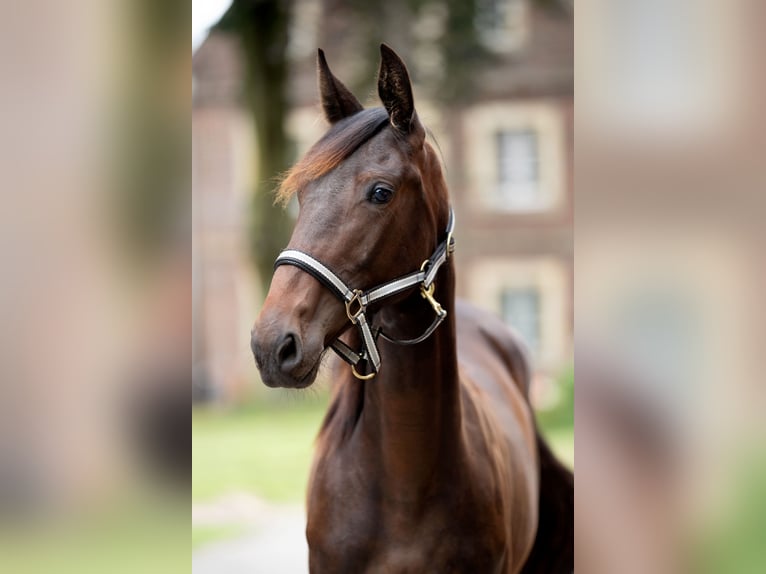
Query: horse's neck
<point x="412" y="408"/>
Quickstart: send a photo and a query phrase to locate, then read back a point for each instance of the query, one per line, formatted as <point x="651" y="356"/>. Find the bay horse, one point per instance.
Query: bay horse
<point x="428" y="459"/>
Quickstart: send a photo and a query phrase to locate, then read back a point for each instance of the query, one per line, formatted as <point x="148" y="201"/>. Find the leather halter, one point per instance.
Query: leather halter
<point x="357" y="301"/>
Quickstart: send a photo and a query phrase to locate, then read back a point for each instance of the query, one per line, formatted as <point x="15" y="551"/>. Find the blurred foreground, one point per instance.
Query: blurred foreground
<point x="670" y="179"/>
<point x="95" y="294"/>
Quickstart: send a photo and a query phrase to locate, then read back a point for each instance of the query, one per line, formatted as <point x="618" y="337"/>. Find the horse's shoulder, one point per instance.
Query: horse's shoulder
<point x="484" y="339"/>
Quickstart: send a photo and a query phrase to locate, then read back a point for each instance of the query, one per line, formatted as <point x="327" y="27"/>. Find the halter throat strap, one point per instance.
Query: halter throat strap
<point x="357" y="301"/>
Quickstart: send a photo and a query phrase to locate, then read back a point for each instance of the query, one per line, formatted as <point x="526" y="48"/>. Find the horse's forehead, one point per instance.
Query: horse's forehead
<point x="381" y="153"/>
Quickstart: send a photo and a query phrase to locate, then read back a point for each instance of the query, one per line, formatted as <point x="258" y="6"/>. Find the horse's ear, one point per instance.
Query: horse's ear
<point x="337" y="101"/>
<point x="395" y="92"/>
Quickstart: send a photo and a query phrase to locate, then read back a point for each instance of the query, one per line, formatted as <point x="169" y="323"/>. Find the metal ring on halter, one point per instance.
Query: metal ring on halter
<point x="366" y="377"/>
<point x="357" y="298"/>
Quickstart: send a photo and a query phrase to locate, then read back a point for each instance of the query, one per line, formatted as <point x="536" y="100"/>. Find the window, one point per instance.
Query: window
<point x="490" y="15"/>
<point x="531" y="295"/>
<point x="501" y="24"/>
<point x="518" y="170"/>
<point x="515" y="156"/>
<point x="521" y="310"/>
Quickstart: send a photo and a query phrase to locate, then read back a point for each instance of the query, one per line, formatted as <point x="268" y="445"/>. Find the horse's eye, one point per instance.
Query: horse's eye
<point x="381" y="195"/>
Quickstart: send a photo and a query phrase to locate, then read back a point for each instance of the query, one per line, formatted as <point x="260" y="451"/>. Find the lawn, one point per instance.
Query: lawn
<point x="202" y="535"/>
<point x="561" y="441"/>
<point x="263" y="448"/>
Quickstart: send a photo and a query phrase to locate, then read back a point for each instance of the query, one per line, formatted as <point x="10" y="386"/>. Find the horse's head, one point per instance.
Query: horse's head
<point x="371" y="196"/>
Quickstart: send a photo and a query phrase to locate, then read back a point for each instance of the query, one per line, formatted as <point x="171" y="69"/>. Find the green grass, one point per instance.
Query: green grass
<point x="263" y="448"/>
<point x="557" y="423"/>
<point x="202" y="535"/>
<point x="561" y="441"/>
<point x="266" y="448"/>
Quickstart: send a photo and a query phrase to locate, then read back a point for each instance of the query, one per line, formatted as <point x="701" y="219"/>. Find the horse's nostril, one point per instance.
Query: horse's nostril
<point x="289" y="353"/>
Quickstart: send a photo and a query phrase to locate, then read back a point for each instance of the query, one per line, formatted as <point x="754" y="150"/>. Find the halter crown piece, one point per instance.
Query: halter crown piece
<point x="357" y="301"/>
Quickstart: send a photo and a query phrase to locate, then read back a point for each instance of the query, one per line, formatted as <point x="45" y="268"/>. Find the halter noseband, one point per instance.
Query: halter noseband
<point x="356" y="300"/>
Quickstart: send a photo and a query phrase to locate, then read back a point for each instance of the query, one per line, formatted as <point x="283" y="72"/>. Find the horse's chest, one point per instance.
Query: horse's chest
<point x="421" y="550"/>
<point x="430" y="549"/>
<point x="355" y="534"/>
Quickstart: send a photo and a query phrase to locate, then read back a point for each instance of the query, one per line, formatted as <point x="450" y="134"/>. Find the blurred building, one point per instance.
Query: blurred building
<point x="508" y="156"/>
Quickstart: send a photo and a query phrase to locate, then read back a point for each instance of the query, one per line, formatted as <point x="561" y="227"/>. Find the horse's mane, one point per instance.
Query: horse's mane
<point x="341" y="140"/>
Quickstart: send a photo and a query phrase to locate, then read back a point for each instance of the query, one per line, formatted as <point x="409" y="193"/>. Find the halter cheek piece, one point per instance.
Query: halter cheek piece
<point x="357" y="301"/>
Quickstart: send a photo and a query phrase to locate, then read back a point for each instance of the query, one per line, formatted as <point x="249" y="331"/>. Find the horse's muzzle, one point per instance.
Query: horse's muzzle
<point x="282" y="357"/>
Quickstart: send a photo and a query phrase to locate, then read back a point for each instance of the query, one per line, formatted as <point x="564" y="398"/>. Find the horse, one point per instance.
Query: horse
<point x="428" y="458"/>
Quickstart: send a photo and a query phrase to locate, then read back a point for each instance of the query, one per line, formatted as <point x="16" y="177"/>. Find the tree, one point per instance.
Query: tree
<point x="394" y="22"/>
<point x="262" y="28"/>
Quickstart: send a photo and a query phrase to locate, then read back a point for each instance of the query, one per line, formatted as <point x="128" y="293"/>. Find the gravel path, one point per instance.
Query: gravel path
<point x="274" y="543"/>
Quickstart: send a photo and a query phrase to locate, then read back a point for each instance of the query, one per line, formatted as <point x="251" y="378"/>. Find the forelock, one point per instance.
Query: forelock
<point x="341" y="140"/>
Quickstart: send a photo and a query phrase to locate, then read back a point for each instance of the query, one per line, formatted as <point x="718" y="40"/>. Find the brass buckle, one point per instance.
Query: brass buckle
<point x="352" y="314"/>
<point x="428" y="295"/>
